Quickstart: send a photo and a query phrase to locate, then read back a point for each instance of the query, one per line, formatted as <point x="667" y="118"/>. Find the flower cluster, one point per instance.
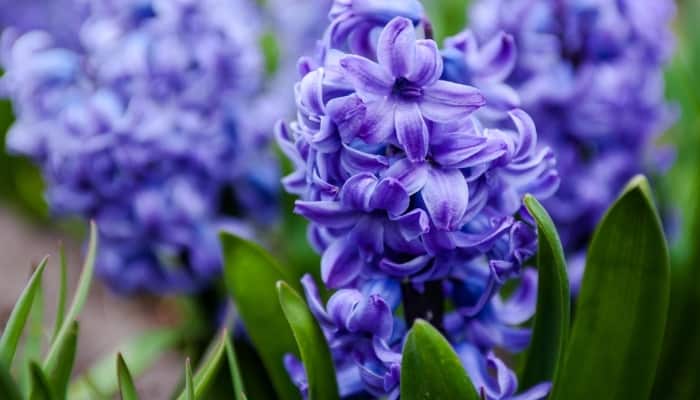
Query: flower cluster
<point x="413" y="184"/>
<point x="147" y="128"/>
<point x="590" y="72"/>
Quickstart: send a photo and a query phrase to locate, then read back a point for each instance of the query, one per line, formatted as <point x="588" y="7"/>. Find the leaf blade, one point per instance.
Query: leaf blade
<point x="189" y="385"/>
<point x="315" y="354"/>
<point x="60" y="377"/>
<point x="39" y="384"/>
<point x="127" y="389"/>
<point x="18" y="317"/>
<point x="552" y="316"/>
<point x="421" y="379"/>
<point x="250" y="274"/>
<point x="622" y="305"/>
<point x="78" y="300"/>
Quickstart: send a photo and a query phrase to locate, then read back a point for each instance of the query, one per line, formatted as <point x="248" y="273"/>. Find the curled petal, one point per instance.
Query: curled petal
<point x="447" y="101"/>
<point x="367" y="77"/>
<point x="496" y="58"/>
<point x="389" y="195"/>
<point x="342" y="304"/>
<point x="520" y="306"/>
<point x="357" y="191"/>
<point x="384" y="353"/>
<point x="484" y="240"/>
<point x="340" y="264"/>
<point x="411" y="175"/>
<point x="405" y="268"/>
<point x="396" y="48"/>
<point x="412" y="224"/>
<point x="326" y="213"/>
<point x="428" y="67"/>
<point x="526" y="131"/>
<point x="355" y="161"/>
<point x="314" y="300"/>
<point x="371" y="315"/>
<point x="411" y="131"/>
<point x="368" y="236"/>
<point x="446" y="196"/>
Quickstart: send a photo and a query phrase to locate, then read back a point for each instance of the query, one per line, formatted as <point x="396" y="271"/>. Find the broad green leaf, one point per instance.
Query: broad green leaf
<point x="127" y="389"/>
<point x="139" y="353"/>
<point x="251" y="274"/>
<point x="551" y="326"/>
<point x="78" y="301"/>
<point x="39" y="387"/>
<point x="62" y="292"/>
<point x="189" y="385"/>
<point x="621" y="314"/>
<point x="448" y="17"/>
<point x="430" y="368"/>
<point x="315" y="354"/>
<point x="8" y="387"/>
<point x="60" y="377"/>
<point x="18" y="318"/>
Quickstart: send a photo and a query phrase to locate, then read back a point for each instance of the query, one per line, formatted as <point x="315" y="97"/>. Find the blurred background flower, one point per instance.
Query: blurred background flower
<point x="591" y="74"/>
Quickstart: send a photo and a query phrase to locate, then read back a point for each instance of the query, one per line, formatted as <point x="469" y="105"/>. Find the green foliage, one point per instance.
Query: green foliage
<point x="59" y="377"/>
<point x="139" y="353"/>
<point x="18" y="318"/>
<point x="616" y="337"/>
<point x="448" y="17"/>
<point x="127" y="389"/>
<point x="40" y="388"/>
<point x="315" y="354"/>
<point x="551" y="326"/>
<point x="430" y="368"/>
<point x="251" y="275"/>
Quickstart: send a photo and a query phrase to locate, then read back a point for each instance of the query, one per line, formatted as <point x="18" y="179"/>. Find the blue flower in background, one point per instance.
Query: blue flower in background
<point x="590" y="73"/>
<point x="413" y="181"/>
<point x="150" y="128"/>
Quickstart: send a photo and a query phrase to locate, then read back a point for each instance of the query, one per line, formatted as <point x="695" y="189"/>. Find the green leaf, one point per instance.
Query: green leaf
<point x="18" y="318"/>
<point x="127" y="389"/>
<point x="33" y="340"/>
<point x="552" y="319"/>
<point x="236" y="378"/>
<point x="78" y="301"/>
<point x="39" y="388"/>
<point x="430" y="368"/>
<point x="621" y="314"/>
<point x="62" y="292"/>
<point x="315" y="354"/>
<point x="60" y="377"/>
<point x="211" y="369"/>
<point x="8" y="387"/>
<point x="251" y="274"/>
<point x="189" y="385"/>
<point x="139" y="353"/>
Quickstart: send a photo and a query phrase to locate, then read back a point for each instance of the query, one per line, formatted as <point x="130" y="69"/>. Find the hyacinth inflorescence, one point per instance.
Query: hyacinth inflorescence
<point x="147" y="128"/>
<point x="590" y="73"/>
<point x="413" y="184"/>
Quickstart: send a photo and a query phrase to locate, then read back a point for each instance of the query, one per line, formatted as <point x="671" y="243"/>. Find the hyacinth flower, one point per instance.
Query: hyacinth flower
<point x="414" y="199"/>
<point x="153" y="146"/>
<point x="590" y="73"/>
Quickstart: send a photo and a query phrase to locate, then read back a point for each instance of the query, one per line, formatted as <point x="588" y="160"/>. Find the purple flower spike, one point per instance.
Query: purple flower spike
<point x="412" y="182"/>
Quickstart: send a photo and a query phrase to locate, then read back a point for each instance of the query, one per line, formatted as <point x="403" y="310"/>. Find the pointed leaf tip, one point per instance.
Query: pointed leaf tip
<point x="430" y="368"/>
<point x="311" y="342"/>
